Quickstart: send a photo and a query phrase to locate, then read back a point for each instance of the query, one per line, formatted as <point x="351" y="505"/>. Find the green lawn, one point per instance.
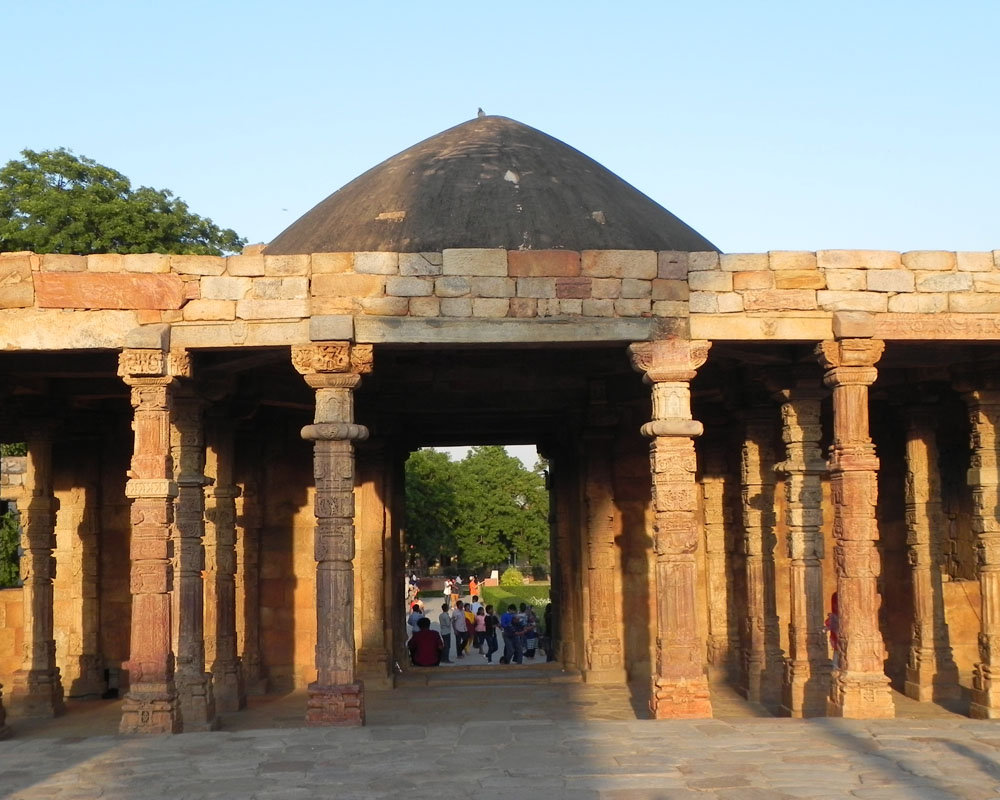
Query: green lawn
<point x="534" y="594"/>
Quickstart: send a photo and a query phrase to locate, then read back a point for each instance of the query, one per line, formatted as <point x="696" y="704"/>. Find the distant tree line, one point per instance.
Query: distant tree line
<point x="487" y="509"/>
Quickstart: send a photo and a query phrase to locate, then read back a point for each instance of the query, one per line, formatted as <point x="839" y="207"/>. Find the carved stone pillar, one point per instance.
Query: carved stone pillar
<point x="807" y="669"/>
<point x="563" y="514"/>
<point x="249" y="520"/>
<point x="84" y="652"/>
<point x="220" y="582"/>
<point x="194" y="685"/>
<point x="680" y="686"/>
<point x="717" y="557"/>
<point x="151" y="703"/>
<point x="984" y="478"/>
<point x="36" y="689"/>
<point x="334" y="370"/>
<point x="931" y="673"/>
<point x="373" y="540"/>
<point x="859" y="688"/>
<point x="762" y="656"/>
<point x="603" y="647"/>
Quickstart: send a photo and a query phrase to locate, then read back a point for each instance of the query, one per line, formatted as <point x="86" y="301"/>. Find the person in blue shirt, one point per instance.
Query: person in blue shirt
<point x="507" y="626"/>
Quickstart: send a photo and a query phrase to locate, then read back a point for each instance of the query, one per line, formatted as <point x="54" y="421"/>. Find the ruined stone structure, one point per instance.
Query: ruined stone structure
<point x="212" y="500"/>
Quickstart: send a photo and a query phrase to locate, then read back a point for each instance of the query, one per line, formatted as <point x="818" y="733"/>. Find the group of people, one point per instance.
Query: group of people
<point x="474" y="625"/>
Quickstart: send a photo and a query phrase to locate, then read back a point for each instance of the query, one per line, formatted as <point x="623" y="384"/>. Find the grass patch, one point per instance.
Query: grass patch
<point x="534" y="594"/>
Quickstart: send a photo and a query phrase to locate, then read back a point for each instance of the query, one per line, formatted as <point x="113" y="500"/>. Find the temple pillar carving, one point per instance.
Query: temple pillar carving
<point x="564" y="509"/>
<point x="931" y="672"/>
<point x="333" y="370"/>
<point x="194" y="686"/>
<point x="220" y="573"/>
<point x="718" y="556"/>
<point x="605" y="661"/>
<point x="248" y="525"/>
<point x="762" y="656"/>
<point x="36" y="688"/>
<point x="984" y="477"/>
<point x="151" y="705"/>
<point x="679" y="685"/>
<point x="858" y="688"/>
<point x="374" y="538"/>
<point x="806" y="681"/>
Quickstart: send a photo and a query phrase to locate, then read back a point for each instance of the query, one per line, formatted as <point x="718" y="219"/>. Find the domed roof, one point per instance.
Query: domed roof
<point x="489" y="182"/>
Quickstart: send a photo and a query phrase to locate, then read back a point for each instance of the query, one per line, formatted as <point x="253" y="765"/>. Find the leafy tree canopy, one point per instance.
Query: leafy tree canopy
<point x="486" y="508"/>
<point x="56" y="202"/>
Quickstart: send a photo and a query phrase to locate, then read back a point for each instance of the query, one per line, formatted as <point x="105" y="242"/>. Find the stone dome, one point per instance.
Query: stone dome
<point x="490" y="182"/>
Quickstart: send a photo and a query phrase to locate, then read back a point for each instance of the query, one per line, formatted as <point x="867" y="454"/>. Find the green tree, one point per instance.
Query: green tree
<point x="502" y="510"/>
<point x="56" y="202"/>
<point x="431" y="505"/>
<point x="10" y="536"/>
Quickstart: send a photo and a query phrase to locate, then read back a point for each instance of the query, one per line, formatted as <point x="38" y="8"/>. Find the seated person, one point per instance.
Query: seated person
<point x="425" y="645"/>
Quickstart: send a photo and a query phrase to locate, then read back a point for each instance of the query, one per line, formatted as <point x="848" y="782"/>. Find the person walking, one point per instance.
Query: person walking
<point x="479" y="631"/>
<point x="460" y="628"/>
<point x="416" y="614"/>
<point x="507" y="628"/>
<point x="492" y="623"/>
<point x="444" y="622"/>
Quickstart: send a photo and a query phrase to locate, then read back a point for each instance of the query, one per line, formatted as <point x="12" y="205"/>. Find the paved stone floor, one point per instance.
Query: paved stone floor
<point x="507" y="732"/>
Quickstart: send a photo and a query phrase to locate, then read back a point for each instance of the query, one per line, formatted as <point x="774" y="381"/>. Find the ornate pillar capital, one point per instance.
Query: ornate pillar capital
<point x="325" y="358"/>
<point x="669" y="360"/>
<point x="850" y="362"/>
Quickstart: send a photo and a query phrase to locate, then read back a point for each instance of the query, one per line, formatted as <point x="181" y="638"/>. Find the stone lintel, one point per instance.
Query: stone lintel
<point x="149" y="337"/>
<point x="263" y="333"/>
<point x="927" y="327"/>
<point x="772" y="327"/>
<point x="400" y="330"/>
<point x="331" y="327"/>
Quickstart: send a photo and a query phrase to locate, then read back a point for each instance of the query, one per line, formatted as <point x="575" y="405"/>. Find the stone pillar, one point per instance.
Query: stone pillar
<point x="151" y="703"/>
<point x="931" y="673"/>
<point x="85" y="649"/>
<point x="249" y="520"/>
<point x="984" y="478"/>
<point x="605" y="660"/>
<point x="680" y="686"/>
<point x="373" y="540"/>
<point x="713" y="487"/>
<point x="859" y="688"/>
<point x="220" y="582"/>
<point x="563" y="510"/>
<point x="807" y="669"/>
<point x="334" y="370"/>
<point x="194" y="686"/>
<point x="37" y="690"/>
<point x="762" y="657"/>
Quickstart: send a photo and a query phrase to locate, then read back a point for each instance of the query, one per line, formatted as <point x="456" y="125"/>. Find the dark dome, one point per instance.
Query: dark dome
<point x="489" y="182"/>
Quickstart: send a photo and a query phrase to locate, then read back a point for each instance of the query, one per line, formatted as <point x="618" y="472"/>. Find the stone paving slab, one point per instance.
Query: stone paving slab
<point x="603" y="760"/>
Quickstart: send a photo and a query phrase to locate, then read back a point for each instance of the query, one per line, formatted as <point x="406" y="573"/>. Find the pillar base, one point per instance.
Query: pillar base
<point x="613" y="675"/>
<point x="253" y="681"/>
<point x="373" y="669"/>
<point x="150" y="710"/>
<point x="805" y="690"/>
<point x="860" y="696"/>
<point x="229" y="689"/>
<point x="36" y="695"/>
<point x="934" y="688"/>
<point x="342" y="705"/>
<point x="196" y="703"/>
<point x="680" y="698"/>
<point x="985" y="694"/>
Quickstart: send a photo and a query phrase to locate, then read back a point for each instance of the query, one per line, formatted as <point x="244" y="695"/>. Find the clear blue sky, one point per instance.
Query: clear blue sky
<point x="765" y="125"/>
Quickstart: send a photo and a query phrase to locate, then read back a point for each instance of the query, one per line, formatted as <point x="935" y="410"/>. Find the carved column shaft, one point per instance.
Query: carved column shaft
<point x="680" y="686"/>
<point x="373" y="538"/>
<point x="984" y="478"/>
<point x="859" y="688"/>
<point x="931" y="673"/>
<point x="220" y="530"/>
<point x="37" y="687"/>
<point x="151" y="703"/>
<point x="807" y="669"/>
<point x="605" y="660"/>
<point x="194" y="688"/>
<point x="334" y="371"/>
<point x="762" y="657"/>
<point x="713" y="484"/>
<point x="248" y="515"/>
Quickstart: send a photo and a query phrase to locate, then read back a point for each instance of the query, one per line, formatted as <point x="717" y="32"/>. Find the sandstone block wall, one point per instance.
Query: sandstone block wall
<point x="59" y="301"/>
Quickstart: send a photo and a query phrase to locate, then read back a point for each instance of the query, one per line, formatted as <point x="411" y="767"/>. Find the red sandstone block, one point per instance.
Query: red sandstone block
<point x="97" y="290"/>
<point x="543" y="263"/>
<point x="572" y="288"/>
